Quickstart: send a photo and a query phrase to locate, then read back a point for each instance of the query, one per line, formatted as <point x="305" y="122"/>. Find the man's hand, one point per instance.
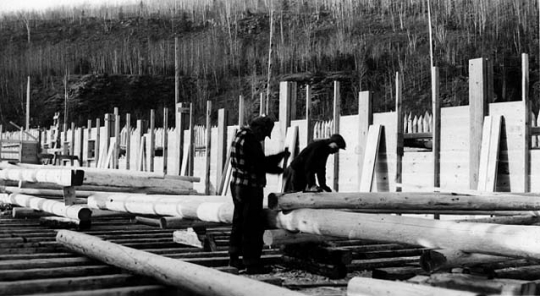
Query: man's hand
<point x="284" y="153"/>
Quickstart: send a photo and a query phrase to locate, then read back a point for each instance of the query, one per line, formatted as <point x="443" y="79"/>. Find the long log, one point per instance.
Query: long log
<point x="446" y="259"/>
<point x="211" y="208"/>
<point x="402" y="201"/>
<point x="50" y="206"/>
<point x="503" y="240"/>
<point x="362" y="286"/>
<point x="61" y="177"/>
<point x="193" y="278"/>
<point x="153" y="182"/>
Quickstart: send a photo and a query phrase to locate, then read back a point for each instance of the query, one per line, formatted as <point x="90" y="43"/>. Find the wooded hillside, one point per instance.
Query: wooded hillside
<point x="97" y="58"/>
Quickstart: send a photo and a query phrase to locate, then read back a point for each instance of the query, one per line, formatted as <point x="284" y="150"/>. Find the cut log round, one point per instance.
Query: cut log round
<point x="197" y="279"/>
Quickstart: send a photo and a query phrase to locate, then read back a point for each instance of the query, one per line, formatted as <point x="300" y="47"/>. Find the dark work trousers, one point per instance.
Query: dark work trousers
<point x="247" y="226"/>
<point x="295" y="181"/>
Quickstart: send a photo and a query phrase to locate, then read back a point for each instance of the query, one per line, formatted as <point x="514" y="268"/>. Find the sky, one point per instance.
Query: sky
<point x="39" y="5"/>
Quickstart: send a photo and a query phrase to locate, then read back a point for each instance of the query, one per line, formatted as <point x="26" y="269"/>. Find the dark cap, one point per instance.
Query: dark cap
<point x="266" y="124"/>
<point x="338" y="139"/>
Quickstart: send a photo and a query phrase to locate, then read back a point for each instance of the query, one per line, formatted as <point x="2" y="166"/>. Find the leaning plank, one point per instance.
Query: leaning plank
<point x="50" y="206"/>
<point x="367" y="286"/>
<point x="193" y="278"/>
<point x="61" y="177"/>
<point x="370" y="157"/>
<point x="494" y="239"/>
<point x="402" y="201"/>
<point x="446" y="259"/>
<point x="210" y="208"/>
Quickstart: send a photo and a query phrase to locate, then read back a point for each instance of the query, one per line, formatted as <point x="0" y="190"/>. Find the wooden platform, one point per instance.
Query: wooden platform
<point x="32" y="263"/>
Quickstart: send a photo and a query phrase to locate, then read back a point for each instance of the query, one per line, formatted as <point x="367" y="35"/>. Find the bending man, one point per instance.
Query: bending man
<point x="311" y="162"/>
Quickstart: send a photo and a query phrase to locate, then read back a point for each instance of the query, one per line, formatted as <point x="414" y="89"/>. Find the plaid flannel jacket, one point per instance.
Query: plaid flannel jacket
<point x="247" y="160"/>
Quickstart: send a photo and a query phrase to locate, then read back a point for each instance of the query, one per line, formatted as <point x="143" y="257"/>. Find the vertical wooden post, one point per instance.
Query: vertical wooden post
<point x="478" y="108"/>
<point x="286" y="102"/>
<point x="27" y="126"/>
<point x="152" y="146"/>
<point x="118" y="136"/>
<point x="399" y="132"/>
<point x="262" y="105"/>
<point x="165" y="139"/>
<point x="80" y="138"/>
<point x="221" y="144"/>
<point x="526" y="122"/>
<point x="181" y="114"/>
<point x="309" y="123"/>
<point x="337" y="114"/>
<point x="241" y="111"/>
<point x="72" y="143"/>
<point x="208" y="145"/>
<point x="142" y="128"/>
<point x="1" y="139"/>
<point x="108" y="118"/>
<point x="128" y="141"/>
<point x="365" y="119"/>
<point x="97" y="147"/>
<point x="436" y="128"/>
<point x="191" y="161"/>
<point x="87" y="141"/>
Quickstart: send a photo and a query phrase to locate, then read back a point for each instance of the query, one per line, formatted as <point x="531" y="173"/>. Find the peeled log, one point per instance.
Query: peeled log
<point x="46" y="205"/>
<point x="193" y="278"/>
<point x="367" y="286"/>
<point x="446" y="259"/>
<point x="61" y="177"/>
<point x="494" y="239"/>
<point x="210" y="208"/>
<point x="402" y="201"/>
<point x="154" y="182"/>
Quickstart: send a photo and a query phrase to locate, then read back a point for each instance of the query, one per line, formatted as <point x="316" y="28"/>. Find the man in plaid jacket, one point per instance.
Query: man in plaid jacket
<point x="249" y="168"/>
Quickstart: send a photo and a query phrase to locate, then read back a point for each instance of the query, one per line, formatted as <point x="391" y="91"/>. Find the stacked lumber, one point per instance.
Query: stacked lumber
<point x="63" y="191"/>
<point x="436" y="247"/>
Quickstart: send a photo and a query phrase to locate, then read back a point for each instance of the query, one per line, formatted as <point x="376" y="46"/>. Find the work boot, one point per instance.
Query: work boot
<point x="234" y="261"/>
<point x="258" y="269"/>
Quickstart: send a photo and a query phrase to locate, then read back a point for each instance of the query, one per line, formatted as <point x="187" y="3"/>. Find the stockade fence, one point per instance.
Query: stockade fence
<point x="451" y="158"/>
